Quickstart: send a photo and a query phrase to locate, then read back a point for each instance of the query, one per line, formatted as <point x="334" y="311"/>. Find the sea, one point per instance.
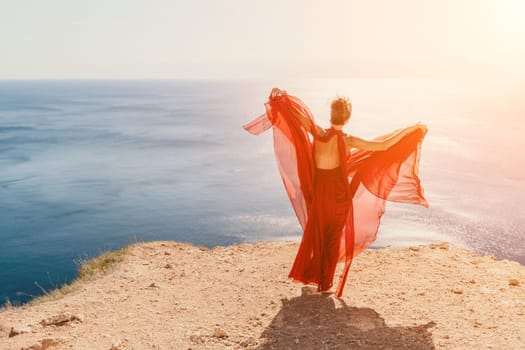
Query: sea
<point x="88" y="166"/>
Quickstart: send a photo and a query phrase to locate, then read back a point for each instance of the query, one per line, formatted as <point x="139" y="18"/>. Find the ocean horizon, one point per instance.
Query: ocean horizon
<point x="88" y="166"/>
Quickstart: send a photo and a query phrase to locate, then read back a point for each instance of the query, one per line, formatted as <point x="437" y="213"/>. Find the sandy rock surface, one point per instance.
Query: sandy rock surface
<point x="169" y="295"/>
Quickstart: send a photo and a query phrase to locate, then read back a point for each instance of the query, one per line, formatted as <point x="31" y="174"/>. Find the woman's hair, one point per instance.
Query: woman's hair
<point x="340" y="110"/>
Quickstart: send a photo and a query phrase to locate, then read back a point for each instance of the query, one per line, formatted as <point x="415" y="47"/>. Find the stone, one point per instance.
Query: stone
<point x="514" y="282"/>
<point x="196" y="339"/>
<point x="247" y="341"/>
<point x="57" y="320"/>
<point x="444" y="246"/>
<point x="219" y="333"/>
<point x="116" y="345"/>
<point x="47" y="343"/>
<point x="19" y="330"/>
<point x="77" y="317"/>
<point x="42" y="344"/>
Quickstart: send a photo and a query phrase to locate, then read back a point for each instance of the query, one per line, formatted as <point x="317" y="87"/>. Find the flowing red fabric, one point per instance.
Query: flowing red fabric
<point x="339" y="209"/>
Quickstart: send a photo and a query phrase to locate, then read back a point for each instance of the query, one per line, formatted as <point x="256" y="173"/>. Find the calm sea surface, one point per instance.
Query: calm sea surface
<point x="90" y="166"/>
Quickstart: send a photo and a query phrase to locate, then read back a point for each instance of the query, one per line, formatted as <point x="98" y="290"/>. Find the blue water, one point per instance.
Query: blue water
<point x="90" y="166"/>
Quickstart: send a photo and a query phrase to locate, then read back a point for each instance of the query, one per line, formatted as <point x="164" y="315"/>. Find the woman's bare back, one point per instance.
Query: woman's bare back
<point x="326" y="154"/>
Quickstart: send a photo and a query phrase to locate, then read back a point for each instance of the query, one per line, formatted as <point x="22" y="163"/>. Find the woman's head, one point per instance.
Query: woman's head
<point x="341" y="109"/>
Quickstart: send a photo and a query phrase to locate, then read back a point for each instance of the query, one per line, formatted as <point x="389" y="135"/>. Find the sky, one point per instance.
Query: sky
<point x="223" y="39"/>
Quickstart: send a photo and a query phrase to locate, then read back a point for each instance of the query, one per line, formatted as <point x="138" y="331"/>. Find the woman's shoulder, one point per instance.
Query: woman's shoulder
<point x="350" y="139"/>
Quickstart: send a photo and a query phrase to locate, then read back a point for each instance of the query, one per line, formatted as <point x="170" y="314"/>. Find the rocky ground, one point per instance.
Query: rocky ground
<point x="169" y="295"/>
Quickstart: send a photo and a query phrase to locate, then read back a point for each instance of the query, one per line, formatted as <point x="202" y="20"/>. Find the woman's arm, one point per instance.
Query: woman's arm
<point x="356" y="142"/>
<point x="306" y="123"/>
<point x="302" y="119"/>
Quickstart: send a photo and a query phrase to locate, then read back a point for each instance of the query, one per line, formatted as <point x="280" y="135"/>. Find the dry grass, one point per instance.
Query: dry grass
<point x="8" y="305"/>
<point x="101" y="263"/>
<point x="55" y="293"/>
<point x="88" y="269"/>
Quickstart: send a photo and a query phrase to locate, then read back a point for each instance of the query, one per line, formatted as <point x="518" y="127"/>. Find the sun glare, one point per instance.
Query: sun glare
<point x="510" y="17"/>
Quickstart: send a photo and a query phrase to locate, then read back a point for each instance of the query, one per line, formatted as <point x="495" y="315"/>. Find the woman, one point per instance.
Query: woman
<point x="338" y="195"/>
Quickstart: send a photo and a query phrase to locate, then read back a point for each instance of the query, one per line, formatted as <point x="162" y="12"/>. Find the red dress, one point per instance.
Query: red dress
<point x="338" y="209"/>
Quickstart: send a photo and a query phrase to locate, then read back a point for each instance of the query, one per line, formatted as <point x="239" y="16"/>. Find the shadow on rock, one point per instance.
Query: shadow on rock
<point x="314" y="321"/>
